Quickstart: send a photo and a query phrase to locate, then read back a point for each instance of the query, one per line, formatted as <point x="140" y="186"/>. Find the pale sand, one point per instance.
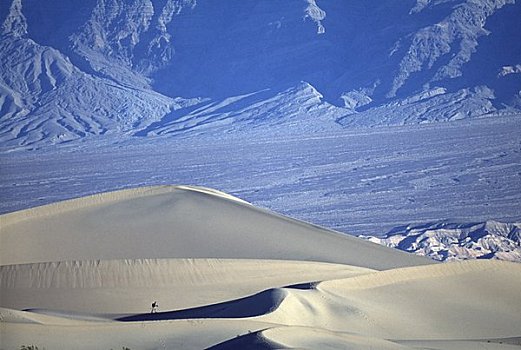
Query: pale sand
<point x="178" y="222"/>
<point x="228" y="275"/>
<point x="129" y="286"/>
<point x="464" y="300"/>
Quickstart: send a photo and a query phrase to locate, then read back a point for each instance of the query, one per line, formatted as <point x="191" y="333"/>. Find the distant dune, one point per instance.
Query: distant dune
<point x="83" y="274"/>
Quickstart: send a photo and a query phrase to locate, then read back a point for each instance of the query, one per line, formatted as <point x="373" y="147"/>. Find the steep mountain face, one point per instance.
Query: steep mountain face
<point x="131" y="34"/>
<point x="46" y="98"/>
<point x="166" y="64"/>
<point x="450" y="241"/>
<point x="298" y="109"/>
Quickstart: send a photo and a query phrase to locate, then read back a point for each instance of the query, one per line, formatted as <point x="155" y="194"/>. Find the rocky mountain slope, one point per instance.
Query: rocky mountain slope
<point x="450" y="241"/>
<point x="77" y="69"/>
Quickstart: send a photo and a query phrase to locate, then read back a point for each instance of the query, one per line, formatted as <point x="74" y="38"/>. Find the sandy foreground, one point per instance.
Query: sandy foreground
<point x="82" y="274"/>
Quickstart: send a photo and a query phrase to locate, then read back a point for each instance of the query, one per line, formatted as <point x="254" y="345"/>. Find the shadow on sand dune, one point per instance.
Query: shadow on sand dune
<point x="253" y="341"/>
<point x="251" y="306"/>
<point x="303" y="286"/>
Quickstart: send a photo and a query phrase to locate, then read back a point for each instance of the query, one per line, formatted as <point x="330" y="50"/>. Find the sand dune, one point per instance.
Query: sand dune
<point x="81" y="274"/>
<point x="178" y="222"/>
<point x="129" y="286"/>
<point x="291" y="337"/>
<point x="467" y="300"/>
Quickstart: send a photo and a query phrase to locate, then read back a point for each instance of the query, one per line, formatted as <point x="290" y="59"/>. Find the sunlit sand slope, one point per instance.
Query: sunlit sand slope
<point x="178" y="222"/>
<point x="82" y="274"/>
<point x="129" y="286"/>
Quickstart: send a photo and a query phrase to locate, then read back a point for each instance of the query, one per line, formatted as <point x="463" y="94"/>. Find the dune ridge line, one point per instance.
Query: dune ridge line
<point x="104" y="198"/>
<point x="417" y="273"/>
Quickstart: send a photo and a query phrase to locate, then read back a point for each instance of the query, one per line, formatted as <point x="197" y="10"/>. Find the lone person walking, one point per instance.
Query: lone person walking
<point x="155" y="306"/>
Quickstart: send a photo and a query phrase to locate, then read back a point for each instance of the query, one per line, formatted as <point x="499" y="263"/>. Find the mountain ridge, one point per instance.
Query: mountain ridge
<point x="374" y="64"/>
<point x="447" y="241"/>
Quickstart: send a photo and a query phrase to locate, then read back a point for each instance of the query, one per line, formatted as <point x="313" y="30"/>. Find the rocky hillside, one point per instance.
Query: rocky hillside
<point x="450" y="241"/>
<point x="77" y="69"/>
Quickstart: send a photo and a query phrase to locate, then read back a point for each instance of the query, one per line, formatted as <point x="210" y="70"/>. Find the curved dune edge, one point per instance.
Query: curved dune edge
<point x="28" y="317"/>
<point x="178" y="222"/>
<point x="418" y="273"/>
<point x="465" y="300"/>
<point x="130" y="285"/>
<point x="106" y="198"/>
<point x="472" y="303"/>
<point x="228" y="275"/>
<point x="292" y="337"/>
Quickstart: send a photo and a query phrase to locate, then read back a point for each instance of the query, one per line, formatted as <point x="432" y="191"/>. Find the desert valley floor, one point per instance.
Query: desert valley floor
<point x="360" y="181"/>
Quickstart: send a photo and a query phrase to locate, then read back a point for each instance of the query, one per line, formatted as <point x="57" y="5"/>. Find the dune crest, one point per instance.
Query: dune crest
<point x="178" y="222"/>
<point x="126" y="286"/>
<point x="464" y="301"/>
<point x="226" y="275"/>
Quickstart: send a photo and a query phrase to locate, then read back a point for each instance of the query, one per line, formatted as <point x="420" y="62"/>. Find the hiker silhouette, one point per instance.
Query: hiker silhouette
<point x="155" y="306"/>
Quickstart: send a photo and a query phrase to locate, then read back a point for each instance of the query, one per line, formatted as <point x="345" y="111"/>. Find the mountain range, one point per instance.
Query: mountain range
<point x="450" y="241"/>
<point x="79" y="69"/>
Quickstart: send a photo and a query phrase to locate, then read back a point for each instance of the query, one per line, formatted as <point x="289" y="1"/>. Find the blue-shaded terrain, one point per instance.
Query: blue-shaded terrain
<point x="363" y="116"/>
